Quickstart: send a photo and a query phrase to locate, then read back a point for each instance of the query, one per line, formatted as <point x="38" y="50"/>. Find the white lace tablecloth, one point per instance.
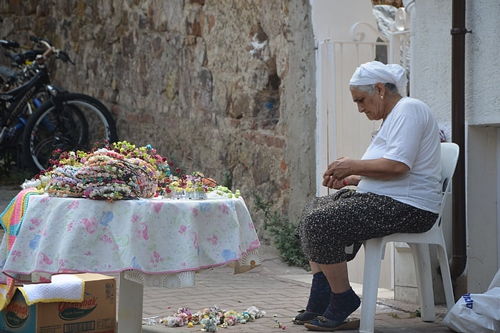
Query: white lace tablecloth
<point x="159" y="242"/>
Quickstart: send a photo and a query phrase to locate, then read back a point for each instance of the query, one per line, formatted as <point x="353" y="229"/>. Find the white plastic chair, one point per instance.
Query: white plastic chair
<point x="419" y="244"/>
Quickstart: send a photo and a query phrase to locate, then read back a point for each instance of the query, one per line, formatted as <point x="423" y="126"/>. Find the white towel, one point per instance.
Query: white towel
<point x="62" y="288"/>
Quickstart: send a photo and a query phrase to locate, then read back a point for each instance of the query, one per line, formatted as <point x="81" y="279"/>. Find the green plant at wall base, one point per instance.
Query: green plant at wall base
<point x="284" y="234"/>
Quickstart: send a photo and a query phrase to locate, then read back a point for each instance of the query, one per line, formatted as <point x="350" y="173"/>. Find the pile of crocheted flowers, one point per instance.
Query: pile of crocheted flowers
<point x="123" y="171"/>
<point x="63" y="182"/>
<point x="107" y="174"/>
<point x="119" y="171"/>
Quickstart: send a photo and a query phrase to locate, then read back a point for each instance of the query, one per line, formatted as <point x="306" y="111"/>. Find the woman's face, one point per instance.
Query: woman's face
<point x="371" y="105"/>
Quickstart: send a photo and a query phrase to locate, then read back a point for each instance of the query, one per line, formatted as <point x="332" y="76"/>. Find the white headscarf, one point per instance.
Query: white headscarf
<point x="374" y="71"/>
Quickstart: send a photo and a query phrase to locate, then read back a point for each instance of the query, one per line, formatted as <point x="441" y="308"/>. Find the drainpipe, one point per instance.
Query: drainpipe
<point x="458" y="31"/>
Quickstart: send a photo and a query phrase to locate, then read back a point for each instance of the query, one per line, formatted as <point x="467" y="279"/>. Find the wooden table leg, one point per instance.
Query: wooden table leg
<point x="129" y="306"/>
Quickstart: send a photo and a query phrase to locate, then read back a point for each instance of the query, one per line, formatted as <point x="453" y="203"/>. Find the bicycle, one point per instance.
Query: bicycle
<point x="8" y="77"/>
<point x="22" y="72"/>
<point x="66" y="121"/>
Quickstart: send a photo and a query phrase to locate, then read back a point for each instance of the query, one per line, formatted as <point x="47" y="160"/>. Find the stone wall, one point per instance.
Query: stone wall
<point x="395" y="3"/>
<point x="221" y="86"/>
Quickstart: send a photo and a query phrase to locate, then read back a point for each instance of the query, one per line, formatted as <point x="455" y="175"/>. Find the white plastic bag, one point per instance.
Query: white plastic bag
<point x="476" y="313"/>
<point x="496" y="281"/>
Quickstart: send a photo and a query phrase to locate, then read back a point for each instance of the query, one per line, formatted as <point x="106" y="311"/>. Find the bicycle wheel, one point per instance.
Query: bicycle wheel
<point x="80" y="124"/>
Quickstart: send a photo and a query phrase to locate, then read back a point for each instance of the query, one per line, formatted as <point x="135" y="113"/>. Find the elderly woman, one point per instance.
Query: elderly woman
<point x="398" y="190"/>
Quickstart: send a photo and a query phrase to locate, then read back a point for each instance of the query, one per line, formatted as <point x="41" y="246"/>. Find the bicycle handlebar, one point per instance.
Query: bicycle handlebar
<point x="32" y="55"/>
<point x="21" y="58"/>
<point x="9" y="44"/>
<point x="39" y="39"/>
<point x="31" y="61"/>
<point x="62" y="55"/>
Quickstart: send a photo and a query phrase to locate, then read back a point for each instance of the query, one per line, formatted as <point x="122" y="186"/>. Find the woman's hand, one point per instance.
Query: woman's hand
<point x="330" y="182"/>
<point x="380" y="168"/>
<point x="340" y="168"/>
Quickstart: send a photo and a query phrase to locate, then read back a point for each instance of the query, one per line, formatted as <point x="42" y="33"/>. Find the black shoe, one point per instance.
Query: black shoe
<point x="305" y="317"/>
<point x="327" y="325"/>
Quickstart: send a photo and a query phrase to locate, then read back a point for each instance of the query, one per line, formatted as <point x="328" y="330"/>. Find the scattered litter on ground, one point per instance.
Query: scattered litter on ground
<point x="278" y="324"/>
<point x="209" y="318"/>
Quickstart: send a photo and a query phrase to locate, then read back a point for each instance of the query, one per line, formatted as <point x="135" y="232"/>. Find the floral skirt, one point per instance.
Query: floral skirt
<point x="333" y="227"/>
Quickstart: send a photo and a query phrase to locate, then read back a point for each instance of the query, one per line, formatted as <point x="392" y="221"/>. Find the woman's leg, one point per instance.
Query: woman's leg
<point x="332" y="233"/>
<point x="319" y="296"/>
<point x="343" y="300"/>
<point x="315" y="268"/>
<point x="337" y="276"/>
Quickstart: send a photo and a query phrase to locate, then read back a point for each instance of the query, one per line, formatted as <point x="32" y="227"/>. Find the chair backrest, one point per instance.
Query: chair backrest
<point x="449" y="158"/>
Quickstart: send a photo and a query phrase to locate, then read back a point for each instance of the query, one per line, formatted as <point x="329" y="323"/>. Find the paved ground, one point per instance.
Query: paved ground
<point x="274" y="287"/>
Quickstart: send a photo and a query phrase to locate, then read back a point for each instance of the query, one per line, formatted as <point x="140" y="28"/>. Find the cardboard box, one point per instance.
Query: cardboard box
<point x="97" y="312"/>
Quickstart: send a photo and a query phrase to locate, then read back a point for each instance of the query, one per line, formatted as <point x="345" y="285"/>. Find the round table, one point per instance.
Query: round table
<point x="157" y="242"/>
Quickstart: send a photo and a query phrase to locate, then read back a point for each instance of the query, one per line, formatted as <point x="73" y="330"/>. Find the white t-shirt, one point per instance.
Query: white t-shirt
<point x="409" y="135"/>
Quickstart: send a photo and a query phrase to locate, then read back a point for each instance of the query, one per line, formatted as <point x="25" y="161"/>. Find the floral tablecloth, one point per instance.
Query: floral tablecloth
<point x="149" y="236"/>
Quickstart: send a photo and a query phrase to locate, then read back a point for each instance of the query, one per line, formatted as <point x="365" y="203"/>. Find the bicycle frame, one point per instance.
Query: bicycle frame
<point x="18" y="99"/>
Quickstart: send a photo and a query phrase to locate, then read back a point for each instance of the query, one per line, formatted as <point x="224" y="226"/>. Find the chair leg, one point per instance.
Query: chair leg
<point x="446" y="276"/>
<point x="373" y="255"/>
<point x="423" y="273"/>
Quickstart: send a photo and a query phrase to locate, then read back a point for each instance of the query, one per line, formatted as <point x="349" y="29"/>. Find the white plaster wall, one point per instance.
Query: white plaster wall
<point x="332" y="19"/>
<point x="483" y="62"/>
<point x="431" y="60"/>
<point x="431" y="57"/>
<point x="431" y="82"/>
<point x="482" y="108"/>
<point x="482" y="197"/>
